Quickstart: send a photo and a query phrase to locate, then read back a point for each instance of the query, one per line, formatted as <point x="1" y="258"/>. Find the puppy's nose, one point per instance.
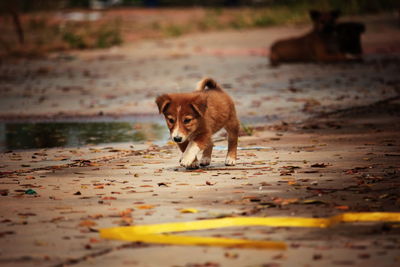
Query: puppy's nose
<point x="178" y="139"/>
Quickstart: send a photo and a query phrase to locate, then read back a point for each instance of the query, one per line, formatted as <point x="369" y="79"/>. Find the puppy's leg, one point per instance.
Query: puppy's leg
<point x="323" y="55"/>
<point x="182" y="147"/>
<point x="189" y="159"/>
<point x="233" y="131"/>
<point x="206" y="158"/>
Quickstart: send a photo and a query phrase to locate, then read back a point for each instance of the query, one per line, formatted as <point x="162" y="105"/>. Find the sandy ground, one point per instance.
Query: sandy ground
<point x="330" y="132"/>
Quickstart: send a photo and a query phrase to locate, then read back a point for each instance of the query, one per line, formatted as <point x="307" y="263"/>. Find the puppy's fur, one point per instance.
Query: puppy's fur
<point x="349" y="37"/>
<point x="315" y="46"/>
<point x="193" y="118"/>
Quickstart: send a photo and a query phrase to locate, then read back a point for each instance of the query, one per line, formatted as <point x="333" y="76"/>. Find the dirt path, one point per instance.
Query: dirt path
<point x="343" y="162"/>
<point x="331" y="146"/>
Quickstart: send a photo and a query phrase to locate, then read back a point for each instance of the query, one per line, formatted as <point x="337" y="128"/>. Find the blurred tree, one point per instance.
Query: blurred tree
<point x="15" y="7"/>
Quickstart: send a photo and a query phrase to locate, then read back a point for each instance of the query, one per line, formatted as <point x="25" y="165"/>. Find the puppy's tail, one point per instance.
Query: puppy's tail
<point x="208" y="83"/>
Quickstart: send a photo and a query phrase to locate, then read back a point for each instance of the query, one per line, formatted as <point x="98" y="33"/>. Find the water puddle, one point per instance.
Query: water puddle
<point x="31" y="135"/>
<point x="75" y="132"/>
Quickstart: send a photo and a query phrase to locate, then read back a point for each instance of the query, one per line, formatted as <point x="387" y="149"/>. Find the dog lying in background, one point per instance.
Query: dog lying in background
<point x="319" y="45"/>
<point x="348" y="36"/>
<point x="193" y="118"/>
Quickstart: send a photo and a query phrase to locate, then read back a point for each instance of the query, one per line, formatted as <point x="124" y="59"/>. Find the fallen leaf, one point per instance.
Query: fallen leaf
<point x="287" y="201"/>
<point x="94" y="240"/>
<point x="2" y="234"/>
<point x="96" y="216"/>
<point x="343" y="207"/>
<point x="190" y="210"/>
<point x="57" y="219"/>
<point x="364" y="256"/>
<point x="317" y="256"/>
<point x="267" y="204"/>
<point x="30" y="192"/>
<point x="108" y="198"/>
<point x="126" y="213"/>
<point x="40" y="243"/>
<point x="145" y="207"/>
<point x="87" y="223"/>
<point x="313" y="201"/>
<point x="231" y="255"/>
<point x="319" y="165"/>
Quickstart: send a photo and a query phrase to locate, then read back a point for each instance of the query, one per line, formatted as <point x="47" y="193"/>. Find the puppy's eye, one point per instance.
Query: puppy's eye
<point x="171" y="120"/>
<point x="185" y="121"/>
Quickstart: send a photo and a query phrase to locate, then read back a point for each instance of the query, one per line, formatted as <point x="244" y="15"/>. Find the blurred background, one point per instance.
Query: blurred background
<point x="36" y="27"/>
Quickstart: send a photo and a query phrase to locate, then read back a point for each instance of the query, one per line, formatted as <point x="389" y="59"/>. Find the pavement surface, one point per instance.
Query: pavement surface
<point x="329" y="138"/>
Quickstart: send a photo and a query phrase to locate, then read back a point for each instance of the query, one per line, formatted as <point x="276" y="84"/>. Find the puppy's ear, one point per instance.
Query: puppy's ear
<point x="314" y="14"/>
<point x="199" y="105"/>
<point x="163" y="102"/>
<point x="336" y="13"/>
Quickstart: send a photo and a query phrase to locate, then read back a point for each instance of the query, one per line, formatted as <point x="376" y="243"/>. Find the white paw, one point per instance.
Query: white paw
<point x="230" y="161"/>
<point x="189" y="159"/>
<point x="205" y="161"/>
<point x="189" y="163"/>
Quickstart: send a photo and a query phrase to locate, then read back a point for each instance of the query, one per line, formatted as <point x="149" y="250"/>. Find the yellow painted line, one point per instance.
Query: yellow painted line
<point x="159" y="233"/>
<point x="190" y="240"/>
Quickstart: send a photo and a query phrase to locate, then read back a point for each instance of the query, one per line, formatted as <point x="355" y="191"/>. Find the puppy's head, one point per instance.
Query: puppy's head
<point x="349" y="36"/>
<point x="184" y="113"/>
<point x="324" y="22"/>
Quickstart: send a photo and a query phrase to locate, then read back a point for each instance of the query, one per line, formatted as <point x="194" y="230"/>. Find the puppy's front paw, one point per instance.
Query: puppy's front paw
<point x="230" y="161"/>
<point x="205" y="161"/>
<point x="188" y="164"/>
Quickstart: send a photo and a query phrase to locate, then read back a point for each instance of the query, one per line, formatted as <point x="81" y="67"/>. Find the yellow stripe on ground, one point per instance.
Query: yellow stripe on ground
<point x="112" y="233"/>
<point x="158" y="233"/>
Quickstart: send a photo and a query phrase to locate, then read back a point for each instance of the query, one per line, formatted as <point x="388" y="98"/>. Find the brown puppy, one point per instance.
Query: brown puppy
<point x="193" y="118"/>
<point x="319" y="45"/>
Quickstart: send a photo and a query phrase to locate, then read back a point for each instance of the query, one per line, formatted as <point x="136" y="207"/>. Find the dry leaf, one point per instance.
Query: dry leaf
<point x="87" y="223"/>
<point x="145" y="207"/>
<point x="190" y="210"/>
